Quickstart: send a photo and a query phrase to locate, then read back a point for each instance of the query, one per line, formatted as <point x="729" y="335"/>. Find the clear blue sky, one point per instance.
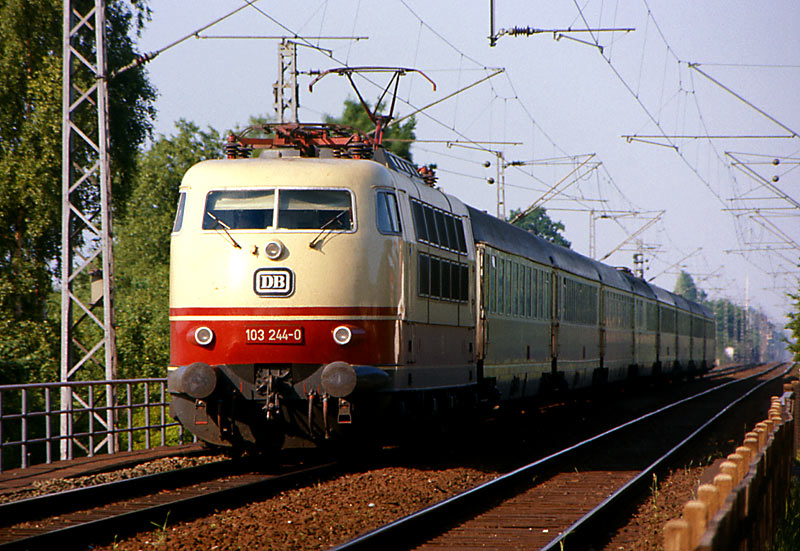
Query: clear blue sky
<point x="557" y="98"/>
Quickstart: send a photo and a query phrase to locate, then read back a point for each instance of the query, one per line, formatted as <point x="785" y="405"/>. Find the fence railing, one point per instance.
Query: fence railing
<point x="741" y="508"/>
<point x="44" y="422"/>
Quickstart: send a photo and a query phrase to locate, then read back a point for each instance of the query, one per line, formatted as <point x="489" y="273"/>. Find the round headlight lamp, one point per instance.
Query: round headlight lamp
<point x="273" y="250"/>
<point x="203" y="336"/>
<point x="342" y="335"/>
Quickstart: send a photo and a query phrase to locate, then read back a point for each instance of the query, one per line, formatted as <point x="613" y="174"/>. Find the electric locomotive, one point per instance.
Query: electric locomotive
<point x="292" y="292"/>
<point x="326" y="284"/>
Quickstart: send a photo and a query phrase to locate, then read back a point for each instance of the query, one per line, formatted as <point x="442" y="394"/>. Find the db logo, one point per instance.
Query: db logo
<point x="273" y="282"/>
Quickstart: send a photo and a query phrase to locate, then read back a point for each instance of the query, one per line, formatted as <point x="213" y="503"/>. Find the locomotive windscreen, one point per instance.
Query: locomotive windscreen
<point x="299" y="209"/>
<point x="314" y="209"/>
<point x="240" y="209"/>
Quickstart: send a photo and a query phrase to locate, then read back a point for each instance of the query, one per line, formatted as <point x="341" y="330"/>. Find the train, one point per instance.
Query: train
<point x="320" y="285"/>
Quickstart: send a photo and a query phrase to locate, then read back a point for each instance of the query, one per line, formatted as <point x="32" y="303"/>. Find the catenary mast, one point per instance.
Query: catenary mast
<point x="87" y="319"/>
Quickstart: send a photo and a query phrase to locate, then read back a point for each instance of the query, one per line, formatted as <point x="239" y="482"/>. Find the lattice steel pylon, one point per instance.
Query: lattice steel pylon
<point x="86" y="221"/>
<point x="285" y="89"/>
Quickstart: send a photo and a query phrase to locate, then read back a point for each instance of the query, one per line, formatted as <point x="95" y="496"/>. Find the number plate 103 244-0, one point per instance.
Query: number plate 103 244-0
<point x="284" y="334"/>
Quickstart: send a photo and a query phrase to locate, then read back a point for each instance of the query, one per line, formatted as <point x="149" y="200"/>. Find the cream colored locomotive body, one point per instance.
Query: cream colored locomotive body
<point x="358" y="274"/>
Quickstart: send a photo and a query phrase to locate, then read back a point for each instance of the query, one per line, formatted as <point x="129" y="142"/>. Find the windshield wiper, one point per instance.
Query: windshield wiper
<point x="313" y="242"/>
<point x="225" y="228"/>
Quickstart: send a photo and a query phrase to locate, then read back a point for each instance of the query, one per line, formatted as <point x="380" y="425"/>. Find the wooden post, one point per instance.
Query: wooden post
<point x="752" y="445"/>
<point x="725" y="484"/>
<point x="741" y="470"/>
<point x="731" y="469"/>
<point x="695" y="513"/>
<point x="747" y="454"/>
<point x="761" y="431"/>
<point x="710" y="495"/>
<point x="676" y="535"/>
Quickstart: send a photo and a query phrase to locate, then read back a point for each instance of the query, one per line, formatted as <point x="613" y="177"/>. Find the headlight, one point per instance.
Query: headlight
<point x="203" y="336"/>
<point x="342" y="335"/>
<point x="273" y="250"/>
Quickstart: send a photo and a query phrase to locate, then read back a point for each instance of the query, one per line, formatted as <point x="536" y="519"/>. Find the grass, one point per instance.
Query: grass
<point x="787" y="537"/>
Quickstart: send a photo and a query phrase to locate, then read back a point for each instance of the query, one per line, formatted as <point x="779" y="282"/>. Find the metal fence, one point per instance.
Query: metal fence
<point x="35" y="428"/>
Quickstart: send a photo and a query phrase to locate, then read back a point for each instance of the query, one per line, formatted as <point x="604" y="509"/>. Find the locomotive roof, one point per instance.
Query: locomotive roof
<point x="234" y="173"/>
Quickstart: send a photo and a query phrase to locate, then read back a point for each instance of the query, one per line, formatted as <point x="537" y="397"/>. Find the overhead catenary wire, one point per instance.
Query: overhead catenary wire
<point x="144" y="58"/>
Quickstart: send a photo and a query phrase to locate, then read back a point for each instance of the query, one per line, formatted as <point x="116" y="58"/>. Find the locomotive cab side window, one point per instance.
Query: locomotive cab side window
<point x="387" y="213"/>
<point x="443" y="279"/>
<point x="419" y="221"/>
<point x="438" y="227"/>
<point x="176" y="227"/>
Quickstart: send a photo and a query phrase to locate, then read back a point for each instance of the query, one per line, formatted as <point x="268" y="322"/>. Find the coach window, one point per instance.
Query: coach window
<point x="176" y="227"/>
<point x="492" y="283"/>
<point x="387" y="213"/>
<point x="501" y="286"/>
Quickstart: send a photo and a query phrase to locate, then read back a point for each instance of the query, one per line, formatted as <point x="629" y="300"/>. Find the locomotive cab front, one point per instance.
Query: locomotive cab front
<point x="286" y="291"/>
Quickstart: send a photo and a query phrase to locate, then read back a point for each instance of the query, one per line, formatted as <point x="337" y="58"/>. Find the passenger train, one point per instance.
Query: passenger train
<point x="326" y="284"/>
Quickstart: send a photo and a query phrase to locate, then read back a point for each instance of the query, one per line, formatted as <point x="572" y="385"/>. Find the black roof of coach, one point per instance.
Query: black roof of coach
<point x="640" y="286"/>
<point x="507" y="237"/>
<point x="664" y="296"/>
<point x="682" y="303"/>
<point x="502" y="235"/>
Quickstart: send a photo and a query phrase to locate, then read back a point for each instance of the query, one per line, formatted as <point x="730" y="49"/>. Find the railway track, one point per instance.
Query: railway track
<point x="564" y="500"/>
<point x="101" y="512"/>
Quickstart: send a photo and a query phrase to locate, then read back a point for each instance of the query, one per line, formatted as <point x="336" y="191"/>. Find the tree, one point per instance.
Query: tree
<point x="538" y="223"/>
<point x="355" y="116"/>
<point x="685" y="287"/>
<point x="794" y="326"/>
<point x="142" y="248"/>
<point x="30" y="162"/>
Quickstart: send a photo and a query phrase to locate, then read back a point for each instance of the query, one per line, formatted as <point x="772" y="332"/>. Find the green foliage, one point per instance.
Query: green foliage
<point x="787" y="536"/>
<point x="30" y="161"/>
<point x="685" y="287"/>
<point x="142" y="248"/>
<point x="29" y="351"/>
<point x="748" y="333"/>
<point x="538" y="223"/>
<point x="794" y="327"/>
<point x="355" y="116"/>
<point x="140" y="419"/>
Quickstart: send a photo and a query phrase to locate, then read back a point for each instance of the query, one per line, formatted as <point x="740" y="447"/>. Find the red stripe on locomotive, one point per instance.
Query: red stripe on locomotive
<point x="375" y="346"/>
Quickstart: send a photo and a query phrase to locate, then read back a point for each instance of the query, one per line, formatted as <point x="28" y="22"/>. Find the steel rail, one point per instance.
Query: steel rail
<point x="429" y="521"/>
<point x="578" y="530"/>
<point x="68" y="501"/>
<point x="79" y="535"/>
